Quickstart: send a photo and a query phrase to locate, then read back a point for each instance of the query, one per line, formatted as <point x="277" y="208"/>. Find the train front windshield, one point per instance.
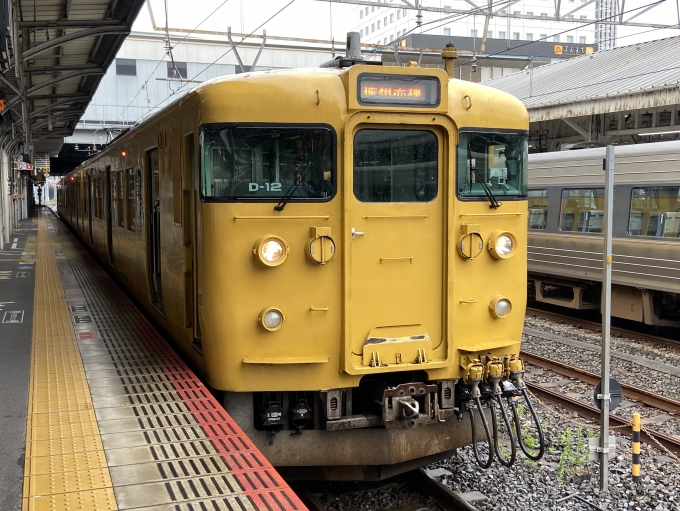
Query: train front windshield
<point x="267" y="163"/>
<point x="498" y="160"/>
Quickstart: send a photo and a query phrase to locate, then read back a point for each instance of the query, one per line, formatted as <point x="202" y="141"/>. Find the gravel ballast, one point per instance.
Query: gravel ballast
<point x="564" y="470"/>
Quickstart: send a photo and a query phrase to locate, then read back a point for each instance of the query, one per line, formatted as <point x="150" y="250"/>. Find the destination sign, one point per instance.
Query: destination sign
<point x="398" y="90"/>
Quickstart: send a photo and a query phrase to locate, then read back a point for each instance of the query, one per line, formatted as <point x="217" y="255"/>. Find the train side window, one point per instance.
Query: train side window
<point x="395" y="166"/>
<point x="655" y="211"/>
<point x="130" y="176"/>
<point x="114" y="202"/>
<point x="538" y="208"/>
<point x="139" y="212"/>
<point x="121" y="198"/>
<point x="101" y="197"/>
<point x="582" y="210"/>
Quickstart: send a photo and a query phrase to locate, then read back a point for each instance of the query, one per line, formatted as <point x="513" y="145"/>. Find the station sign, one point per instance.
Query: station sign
<point x="573" y="49"/>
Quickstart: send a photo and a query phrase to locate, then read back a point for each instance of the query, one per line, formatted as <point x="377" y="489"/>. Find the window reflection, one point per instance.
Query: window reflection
<point x="267" y="162"/>
<point x="497" y="159"/>
<point x="655" y="211"/>
<point x="395" y="166"/>
<point x="538" y="208"/>
<point x="582" y="210"/>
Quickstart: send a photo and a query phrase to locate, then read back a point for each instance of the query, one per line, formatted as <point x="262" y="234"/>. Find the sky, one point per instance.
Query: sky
<point x="316" y="19"/>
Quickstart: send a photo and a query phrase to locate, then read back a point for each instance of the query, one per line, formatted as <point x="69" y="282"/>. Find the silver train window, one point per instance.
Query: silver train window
<point x="493" y="162"/>
<point x="538" y="208"/>
<point x="267" y="162"/>
<point x="395" y="165"/>
<point x="582" y="210"/>
<point x="655" y="211"/>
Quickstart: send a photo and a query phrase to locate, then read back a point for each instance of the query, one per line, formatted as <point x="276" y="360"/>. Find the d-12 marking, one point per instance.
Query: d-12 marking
<point x="13" y="317"/>
<point x="271" y="187"/>
<point x="79" y="320"/>
<point x="5" y="275"/>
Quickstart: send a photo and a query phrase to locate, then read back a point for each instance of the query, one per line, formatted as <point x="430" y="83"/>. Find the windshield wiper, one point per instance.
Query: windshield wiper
<point x="494" y="204"/>
<point x="291" y="190"/>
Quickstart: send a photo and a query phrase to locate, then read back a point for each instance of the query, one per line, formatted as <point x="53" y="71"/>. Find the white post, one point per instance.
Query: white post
<point x="606" y="314"/>
<point x="3" y="201"/>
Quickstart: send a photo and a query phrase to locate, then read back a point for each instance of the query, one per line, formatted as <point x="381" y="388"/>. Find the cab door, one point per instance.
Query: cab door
<point x="396" y="216"/>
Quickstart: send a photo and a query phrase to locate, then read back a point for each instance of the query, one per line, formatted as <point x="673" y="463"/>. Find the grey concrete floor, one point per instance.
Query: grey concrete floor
<point x="16" y="294"/>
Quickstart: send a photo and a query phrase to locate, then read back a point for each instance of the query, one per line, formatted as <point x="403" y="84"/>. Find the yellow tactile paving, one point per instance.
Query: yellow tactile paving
<point x="65" y="462"/>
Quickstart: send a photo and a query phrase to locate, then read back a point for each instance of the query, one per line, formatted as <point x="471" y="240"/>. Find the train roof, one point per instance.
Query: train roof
<point x="282" y="96"/>
<point x="651" y="163"/>
<point x="651" y="148"/>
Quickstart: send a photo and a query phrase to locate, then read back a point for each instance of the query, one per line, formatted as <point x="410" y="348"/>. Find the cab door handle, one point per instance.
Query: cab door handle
<point x="356" y="233"/>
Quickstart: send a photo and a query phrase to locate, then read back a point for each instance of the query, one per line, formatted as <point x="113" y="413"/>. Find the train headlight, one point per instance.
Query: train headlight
<point x="500" y="307"/>
<point x="502" y="244"/>
<point x="271" y="319"/>
<point x="270" y="250"/>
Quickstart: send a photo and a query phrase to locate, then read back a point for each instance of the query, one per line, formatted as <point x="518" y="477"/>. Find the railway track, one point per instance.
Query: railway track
<point x="623" y="425"/>
<point x="438" y="495"/>
<point x="595" y="326"/>
<point x="629" y="391"/>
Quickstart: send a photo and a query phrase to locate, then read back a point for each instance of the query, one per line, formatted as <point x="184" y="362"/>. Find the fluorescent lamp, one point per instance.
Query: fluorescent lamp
<point x="659" y="133"/>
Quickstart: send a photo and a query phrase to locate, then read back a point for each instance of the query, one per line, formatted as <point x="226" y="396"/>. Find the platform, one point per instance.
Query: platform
<point x="116" y="419"/>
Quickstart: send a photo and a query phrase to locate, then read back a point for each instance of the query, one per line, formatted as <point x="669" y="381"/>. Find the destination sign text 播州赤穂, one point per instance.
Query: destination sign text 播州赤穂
<point x="398" y="90"/>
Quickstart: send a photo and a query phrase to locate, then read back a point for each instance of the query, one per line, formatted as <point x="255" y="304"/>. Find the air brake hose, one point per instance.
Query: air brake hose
<point x="513" y="445"/>
<point x="489" y="440"/>
<point x="520" y="438"/>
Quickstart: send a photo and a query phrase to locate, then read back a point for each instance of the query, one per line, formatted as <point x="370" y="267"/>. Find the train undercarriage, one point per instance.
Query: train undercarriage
<point x="391" y="423"/>
<point x="651" y="307"/>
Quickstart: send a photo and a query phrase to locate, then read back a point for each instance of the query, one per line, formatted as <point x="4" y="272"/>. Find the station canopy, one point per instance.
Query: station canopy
<point x="644" y="75"/>
<point x="53" y="54"/>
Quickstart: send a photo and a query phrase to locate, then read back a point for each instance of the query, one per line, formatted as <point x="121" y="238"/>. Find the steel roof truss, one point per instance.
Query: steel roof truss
<point x="61" y="78"/>
<point x="121" y="29"/>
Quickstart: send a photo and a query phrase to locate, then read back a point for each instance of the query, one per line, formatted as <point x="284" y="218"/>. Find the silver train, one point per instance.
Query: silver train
<point x="566" y="199"/>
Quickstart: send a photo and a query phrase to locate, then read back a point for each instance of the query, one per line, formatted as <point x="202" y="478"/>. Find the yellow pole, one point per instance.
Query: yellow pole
<point x="636" y="448"/>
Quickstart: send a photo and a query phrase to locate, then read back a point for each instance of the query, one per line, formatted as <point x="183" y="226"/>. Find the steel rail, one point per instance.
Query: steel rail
<point x="657" y="401"/>
<point x="590" y="412"/>
<point x="596" y="327"/>
<point x="441" y="494"/>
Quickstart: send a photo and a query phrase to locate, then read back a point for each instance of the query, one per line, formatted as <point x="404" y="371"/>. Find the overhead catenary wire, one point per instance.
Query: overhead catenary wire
<point x="479" y="11"/>
<point x="457" y="17"/>
<point x="569" y="30"/>
<point x="220" y="57"/>
<point x="143" y="87"/>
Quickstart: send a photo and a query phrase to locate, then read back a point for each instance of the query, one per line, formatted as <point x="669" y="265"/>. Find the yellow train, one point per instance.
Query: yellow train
<point x="341" y="252"/>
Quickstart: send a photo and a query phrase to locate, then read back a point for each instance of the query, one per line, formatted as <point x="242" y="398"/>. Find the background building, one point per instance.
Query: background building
<point x="383" y="25"/>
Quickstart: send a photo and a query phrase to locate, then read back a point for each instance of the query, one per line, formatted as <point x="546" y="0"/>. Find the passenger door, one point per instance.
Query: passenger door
<point x="90" y="203"/>
<point x="154" y="214"/>
<point x="397" y="280"/>
<point x="108" y="200"/>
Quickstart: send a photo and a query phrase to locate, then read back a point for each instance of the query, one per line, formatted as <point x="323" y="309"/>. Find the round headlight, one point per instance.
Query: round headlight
<point x="502" y="244"/>
<point x="270" y="250"/>
<point x="271" y="318"/>
<point x="500" y="307"/>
